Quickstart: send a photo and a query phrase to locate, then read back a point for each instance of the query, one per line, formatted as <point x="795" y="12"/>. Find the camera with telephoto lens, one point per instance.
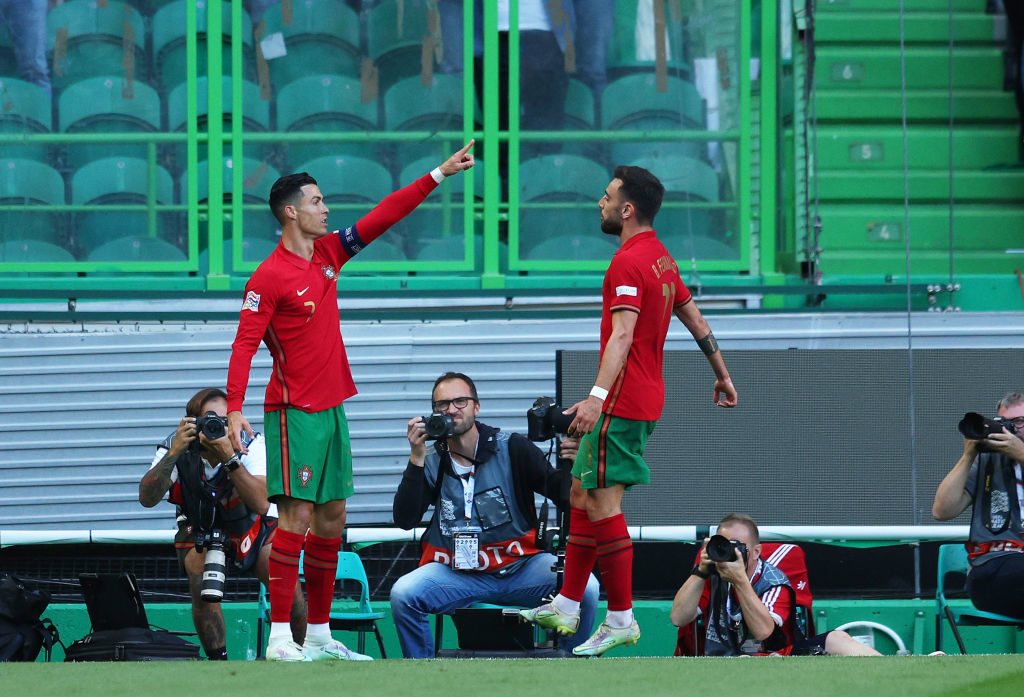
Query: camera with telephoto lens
<point x="215" y="569"/>
<point x="439" y="426"/>
<point x="211" y="426"/>
<point x="721" y="548"/>
<point x="545" y="419"/>
<point x="974" y="426"/>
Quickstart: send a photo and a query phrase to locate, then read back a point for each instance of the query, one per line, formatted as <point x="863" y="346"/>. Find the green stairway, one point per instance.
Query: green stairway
<point x="859" y="142"/>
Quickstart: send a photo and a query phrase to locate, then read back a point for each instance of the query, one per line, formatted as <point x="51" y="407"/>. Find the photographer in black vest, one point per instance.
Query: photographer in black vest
<point x="225" y="523"/>
<point x="480" y="544"/>
<point x="988" y="477"/>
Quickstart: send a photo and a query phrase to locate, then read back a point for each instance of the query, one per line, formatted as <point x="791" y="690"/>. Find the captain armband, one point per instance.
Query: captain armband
<point x="708" y="344"/>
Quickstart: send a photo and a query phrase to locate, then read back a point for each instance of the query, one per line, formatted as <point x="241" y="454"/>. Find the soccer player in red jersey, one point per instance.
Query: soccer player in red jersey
<point x="642" y="290"/>
<point x="291" y="304"/>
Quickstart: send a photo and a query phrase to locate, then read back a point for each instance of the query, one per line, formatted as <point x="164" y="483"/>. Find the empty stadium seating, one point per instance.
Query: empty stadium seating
<point x="29" y="183"/>
<point x="169" y="42"/>
<point x="395" y="36"/>
<point x="107" y="105"/>
<point x="320" y="103"/>
<point x="89" y="39"/>
<point x="320" y="35"/>
<point x="24" y="108"/>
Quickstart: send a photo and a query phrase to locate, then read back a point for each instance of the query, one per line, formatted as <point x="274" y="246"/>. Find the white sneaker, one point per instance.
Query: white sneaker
<point x="285" y="650"/>
<point x="608" y="637"/>
<point x="331" y="650"/>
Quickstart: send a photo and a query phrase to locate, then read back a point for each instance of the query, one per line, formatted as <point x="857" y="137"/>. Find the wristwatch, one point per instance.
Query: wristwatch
<point x="695" y="571"/>
<point x="232" y="464"/>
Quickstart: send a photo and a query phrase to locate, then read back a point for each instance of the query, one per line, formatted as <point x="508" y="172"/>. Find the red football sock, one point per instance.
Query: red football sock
<point x="284" y="573"/>
<point x="580" y="554"/>
<point x="319" y="566"/>
<point x="615" y="557"/>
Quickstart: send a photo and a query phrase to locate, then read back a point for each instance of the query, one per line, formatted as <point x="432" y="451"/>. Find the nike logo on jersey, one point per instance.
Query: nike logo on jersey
<point x="301" y="292"/>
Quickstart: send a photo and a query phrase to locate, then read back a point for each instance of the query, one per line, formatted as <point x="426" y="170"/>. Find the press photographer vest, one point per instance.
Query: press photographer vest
<point x="996" y="527"/>
<point x="212" y="503"/>
<point x="506" y="537"/>
<point x="725" y="637"/>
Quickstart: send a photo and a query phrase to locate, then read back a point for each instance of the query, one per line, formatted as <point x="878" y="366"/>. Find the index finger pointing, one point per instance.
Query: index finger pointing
<point x="466" y="147"/>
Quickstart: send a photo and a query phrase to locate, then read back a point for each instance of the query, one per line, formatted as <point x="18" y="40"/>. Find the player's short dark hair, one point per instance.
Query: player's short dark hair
<point x="450" y="375"/>
<point x="200" y="398"/>
<point x="742" y="519"/>
<point x="287" y="191"/>
<point x="642" y="189"/>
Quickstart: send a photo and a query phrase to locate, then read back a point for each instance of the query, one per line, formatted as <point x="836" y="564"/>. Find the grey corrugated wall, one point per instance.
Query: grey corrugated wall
<point x="83" y="406"/>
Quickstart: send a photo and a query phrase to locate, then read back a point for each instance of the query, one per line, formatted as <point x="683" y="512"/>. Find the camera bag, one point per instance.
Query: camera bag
<point x="22" y="632"/>
<point x="131" y="644"/>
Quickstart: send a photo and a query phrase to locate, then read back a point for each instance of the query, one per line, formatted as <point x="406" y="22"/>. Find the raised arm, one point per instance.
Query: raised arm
<point x="690" y="315"/>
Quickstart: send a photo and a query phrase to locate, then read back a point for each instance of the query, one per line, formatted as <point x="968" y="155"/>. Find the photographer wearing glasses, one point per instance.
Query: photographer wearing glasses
<point x="988" y="477"/>
<point x="748" y="605"/>
<point x="224" y="518"/>
<point x="481" y="542"/>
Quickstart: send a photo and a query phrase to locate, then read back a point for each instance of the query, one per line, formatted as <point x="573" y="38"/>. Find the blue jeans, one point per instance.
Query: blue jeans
<point x="26" y="25"/>
<point x="435" y="588"/>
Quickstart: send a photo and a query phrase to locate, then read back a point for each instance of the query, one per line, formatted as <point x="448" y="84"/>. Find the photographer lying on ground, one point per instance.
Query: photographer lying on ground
<point x="995" y="582"/>
<point x="748" y="604"/>
<point x="222" y="504"/>
<point x="480" y="545"/>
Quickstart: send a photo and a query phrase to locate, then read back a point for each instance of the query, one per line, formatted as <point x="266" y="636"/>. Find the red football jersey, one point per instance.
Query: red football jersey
<point x="642" y="278"/>
<point x="292" y="305"/>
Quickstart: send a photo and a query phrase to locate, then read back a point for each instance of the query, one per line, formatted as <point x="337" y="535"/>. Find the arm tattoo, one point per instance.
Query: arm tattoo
<point x="708" y="344"/>
<point x="157" y="481"/>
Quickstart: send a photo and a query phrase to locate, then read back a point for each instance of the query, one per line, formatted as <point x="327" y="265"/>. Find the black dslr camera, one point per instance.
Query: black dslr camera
<point x="545" y="419"/>
<point x="720" y="548"/>
<point x="974" y="426"/>
<point x="439" y="426"/>
<point x="211" y="426"/>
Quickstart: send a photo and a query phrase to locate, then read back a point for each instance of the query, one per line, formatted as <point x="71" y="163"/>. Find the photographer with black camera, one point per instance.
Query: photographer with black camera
<point x="224" y="519"/>
<point x="988" y="477"/>
<point x="748" y="604"/>
<point x="481" y="543"/>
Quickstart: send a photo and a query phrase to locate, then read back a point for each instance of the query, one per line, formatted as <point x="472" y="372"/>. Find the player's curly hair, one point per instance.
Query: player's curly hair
<point x="642" y="189"/>
<point x="287" y="191"/>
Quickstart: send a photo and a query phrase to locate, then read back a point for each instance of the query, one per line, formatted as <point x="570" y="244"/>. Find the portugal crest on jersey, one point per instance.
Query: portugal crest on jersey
<point x="305" y="474"/>
<point x="330" y="273"/>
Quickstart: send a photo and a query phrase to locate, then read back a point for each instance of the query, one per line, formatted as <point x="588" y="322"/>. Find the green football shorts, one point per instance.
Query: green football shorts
<point x="309" y="454"/>
<point x="613" y="453"/>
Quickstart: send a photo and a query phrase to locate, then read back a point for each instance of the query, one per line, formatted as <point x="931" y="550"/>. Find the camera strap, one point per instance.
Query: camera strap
<point x="1007" y="509"/>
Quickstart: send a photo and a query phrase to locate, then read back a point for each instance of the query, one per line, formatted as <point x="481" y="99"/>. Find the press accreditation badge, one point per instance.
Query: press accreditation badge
<point x="467" y="551"/>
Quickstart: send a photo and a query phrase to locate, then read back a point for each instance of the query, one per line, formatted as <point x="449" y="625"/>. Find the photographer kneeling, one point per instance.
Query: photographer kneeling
<point x="748" y="604"/>
<point x="223" y="512"/>
<point x="988" y="476"/>
<point x="480" y="545"/>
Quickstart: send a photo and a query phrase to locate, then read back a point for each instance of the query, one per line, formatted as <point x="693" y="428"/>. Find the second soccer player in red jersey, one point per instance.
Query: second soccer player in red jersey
<point x="642" y="290"/>
<point x="291" y="304"/>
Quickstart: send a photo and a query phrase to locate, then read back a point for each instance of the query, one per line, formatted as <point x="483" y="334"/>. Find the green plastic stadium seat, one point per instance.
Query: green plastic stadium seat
<point x="21" y="251"/>
<point x="169" y="42"/>
<point x="28" y="183"/>
<point x="255" y="109"/>
<point x="683" y="177"/>
<point x="101" y="105"/>
<point x="629" y="52"/>
<point x="410" y="105"/>
<point x="381" y="250"/>
<point x="320" y="103"/>
<point x="24" y="108"/>
<point x="584" y="246"/>
<point x="136" y="248"/>
<point x="395" y="33"/>
<point x="346" y="179"/>
<point x="321" y="35"/>
<point x="253" y="250"/>
<point x="89" y="38"/>
<point x="427" y="226"/>
<point x="634" y="103"/>
<point x="562" y="178"/>
<point x="119" y="180"/>
<point x="684" y="246"/>
<point x="257" y="178"/>
<point x="453" y="249"/>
